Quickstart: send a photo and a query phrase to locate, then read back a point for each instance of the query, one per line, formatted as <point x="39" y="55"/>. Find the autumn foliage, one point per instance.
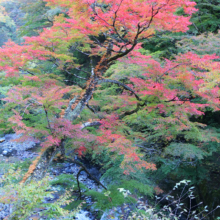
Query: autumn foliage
<point x="166" y="90"/>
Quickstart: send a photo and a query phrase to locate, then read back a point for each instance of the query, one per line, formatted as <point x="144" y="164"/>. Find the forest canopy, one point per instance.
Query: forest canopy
<point x="129" y="86"/>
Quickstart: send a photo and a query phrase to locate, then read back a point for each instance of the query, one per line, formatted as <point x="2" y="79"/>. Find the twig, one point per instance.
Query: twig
<point x="86" y="170"/>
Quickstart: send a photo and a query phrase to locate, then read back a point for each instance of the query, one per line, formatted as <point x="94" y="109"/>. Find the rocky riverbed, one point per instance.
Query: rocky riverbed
<point x="9" y="147"/>
<point x="11" y="152"/>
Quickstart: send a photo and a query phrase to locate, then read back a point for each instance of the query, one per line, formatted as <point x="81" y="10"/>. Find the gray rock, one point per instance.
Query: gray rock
<point x="4" y="210"/>
<point x="9" y="147"/>
<point x="66" y="165"/>
<point x="83" y="215"/>
<point x="69" y="170"/>
<point x="95" y="172"/>
<point x="9" y="152"/>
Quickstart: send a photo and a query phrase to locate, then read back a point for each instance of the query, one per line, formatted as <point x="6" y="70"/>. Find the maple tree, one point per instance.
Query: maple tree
<point x="106" y="32"/>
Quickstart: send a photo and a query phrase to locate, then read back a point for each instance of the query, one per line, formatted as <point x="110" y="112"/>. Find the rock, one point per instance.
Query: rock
<point x="19" y="146"/>
<point x="82" y="215"/>
<point x="66" y="165"/>
<point x="51" y="199"/>
<point x="54" y="171"/>
<point x="9" y="152"/>
<point x="69" y="170"/>
<point x="95" y="172"/>
<point x="2" y="140"/>
<point x="4" y="210"/>
<point x="9" y="147"/>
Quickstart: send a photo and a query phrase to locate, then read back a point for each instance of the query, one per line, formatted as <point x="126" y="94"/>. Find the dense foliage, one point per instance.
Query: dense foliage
<point x="130" y="85"/>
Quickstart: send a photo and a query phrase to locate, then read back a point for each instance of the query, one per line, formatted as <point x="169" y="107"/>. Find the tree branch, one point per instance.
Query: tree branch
<point x="75" y="48"/>
<point x="27" y="71"/>
<point x="90" y="124"/>
<point x="55" y="62"/>
<point x="86" y="170"/>
<point x="48" y="121"/>
<point x="120" y="84"/>
<point x="91" y="108"/>
<point x="160" y="77"/>
<point x="133" y="111"/>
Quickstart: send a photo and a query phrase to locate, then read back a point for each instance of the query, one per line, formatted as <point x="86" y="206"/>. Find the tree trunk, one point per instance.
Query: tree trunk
<point x="78" y="103"/>
<point x="75" y="107"/>
<point x="44" y="163"/>
<point x="38" y="168"/>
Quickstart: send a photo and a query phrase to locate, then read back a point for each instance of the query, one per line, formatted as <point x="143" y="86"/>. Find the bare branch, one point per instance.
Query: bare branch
<point x="90" y="124"/>
<point x="113" y="24"/>
<point x="75" y="48"/>
<point x="86" y="170"/>
<point x="160" y="77"/>
<point x="75" y="74"/>
<point x="91" y="108"/>
<point x="82" y="71"/>
<point x="133" y="111"/>
<point x="55" y="62"/>
<point x="26" y="108"/>
<point x="27" y="71"/>
<point x="120" y="84"/>
<point x="76" y="83"/>
<point x="101" y="45"/>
